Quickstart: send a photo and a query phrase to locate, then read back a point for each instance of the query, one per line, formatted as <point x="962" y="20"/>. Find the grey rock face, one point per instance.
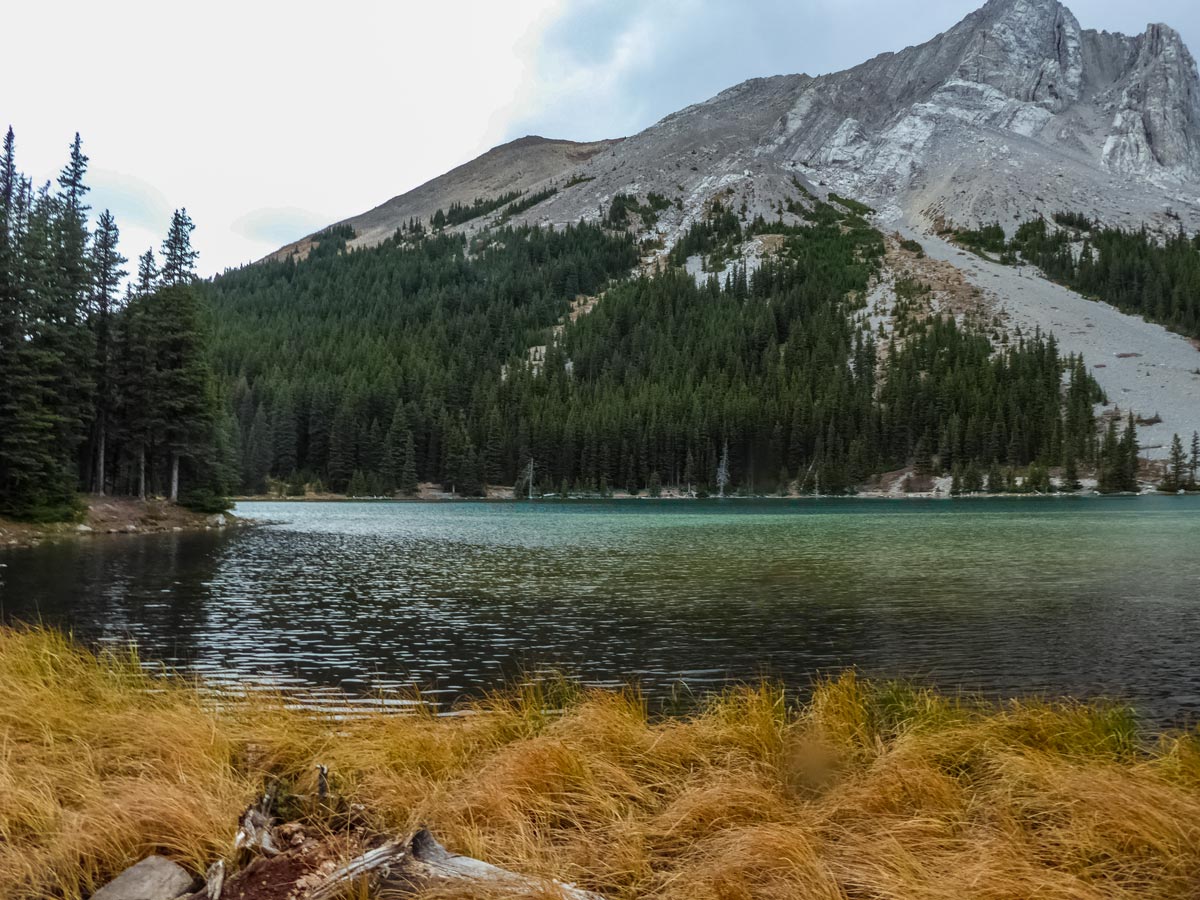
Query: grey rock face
<point x="1014" y="111"/>
<point x="154" y="878"/>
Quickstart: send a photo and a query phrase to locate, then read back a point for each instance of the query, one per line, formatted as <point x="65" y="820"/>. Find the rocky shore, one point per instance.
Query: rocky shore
<point x="117" y="516"/>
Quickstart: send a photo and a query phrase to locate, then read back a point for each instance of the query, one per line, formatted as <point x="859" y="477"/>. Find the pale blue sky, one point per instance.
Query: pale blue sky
<point x="268" y="119"/>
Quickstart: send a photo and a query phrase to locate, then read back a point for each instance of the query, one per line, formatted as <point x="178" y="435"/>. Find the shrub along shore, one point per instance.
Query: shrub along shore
<point x="867" y="789"/>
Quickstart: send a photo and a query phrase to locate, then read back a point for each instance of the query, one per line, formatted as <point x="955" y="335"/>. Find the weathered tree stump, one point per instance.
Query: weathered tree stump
<point x="420" y="862"/>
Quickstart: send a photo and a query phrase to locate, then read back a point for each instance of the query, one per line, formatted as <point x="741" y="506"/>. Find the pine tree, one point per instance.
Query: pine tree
<point x="70" y="179"/>
<point x="256" y="456"/>
<point x="147" y="273"/>
<point x="408" y="471"/>
<point x="995" y="479"/>
<point x="1129" y="457"/>
<point x="1194" y="460"/>
<point x="284" y="438"/>
<point x="1070" y="479"/>
<point x="343" y="446"/>
<point x="107" y="272"/>
<point x="179" y="259"/>
<point x="1109" y="475"/>
<point x="689" y="471"/>
<point x="1177" y="467"/>
<point x="654" y="485"/>
<point x="357" y="486"/>
<point x="180" y="399"/>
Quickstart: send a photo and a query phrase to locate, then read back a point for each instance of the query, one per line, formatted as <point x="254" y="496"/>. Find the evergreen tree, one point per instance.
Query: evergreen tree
<point x="108" y="274"/>
<point x="1070" y="479"/>
<point x="147" y="273"/>
<point x="284" y="437"/>
<point x="180" y="397"/>
<point x="408" y="471"/>
<point x="654" y="485"/>
<point x="357" y="486"/>
<point x="1177" y="467"/>
<point x="179" y="259"/>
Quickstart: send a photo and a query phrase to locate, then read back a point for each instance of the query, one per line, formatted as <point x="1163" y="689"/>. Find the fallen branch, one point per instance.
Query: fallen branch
<point x="418" y="863"/>
<point x="214" y="881"/>
<point x="254" y="835"/>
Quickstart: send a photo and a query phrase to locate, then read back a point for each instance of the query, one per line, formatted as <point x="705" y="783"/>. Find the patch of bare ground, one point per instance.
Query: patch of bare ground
<point x="949" y="291"/>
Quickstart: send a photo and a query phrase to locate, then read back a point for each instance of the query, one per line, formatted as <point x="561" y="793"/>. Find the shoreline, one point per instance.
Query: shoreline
<point x="107" y="516"/>
<point x="733" y="498"/>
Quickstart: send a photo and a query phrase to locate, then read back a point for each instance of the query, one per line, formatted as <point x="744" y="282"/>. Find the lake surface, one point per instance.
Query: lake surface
<point x="1081" y="596"/>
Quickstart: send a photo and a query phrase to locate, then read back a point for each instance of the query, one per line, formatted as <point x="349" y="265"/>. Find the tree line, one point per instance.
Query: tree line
<point x="104" y="390"/>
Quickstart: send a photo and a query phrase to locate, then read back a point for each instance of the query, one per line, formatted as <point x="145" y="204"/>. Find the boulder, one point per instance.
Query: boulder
<point x="217" y="521"/>
<point x="84" y="529"/>
<point x="154" y="878"/>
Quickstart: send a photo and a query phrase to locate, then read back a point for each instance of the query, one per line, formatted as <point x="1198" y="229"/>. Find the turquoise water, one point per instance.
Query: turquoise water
<point x="1085" y="596"/>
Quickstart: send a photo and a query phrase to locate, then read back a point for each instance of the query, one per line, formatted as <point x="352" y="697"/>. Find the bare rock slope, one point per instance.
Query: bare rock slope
<point x="1013" y="111"/>
<point x="519" y="165"/>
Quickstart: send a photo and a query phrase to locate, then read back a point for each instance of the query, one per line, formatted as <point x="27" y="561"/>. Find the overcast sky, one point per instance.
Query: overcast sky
<point x="268" y="120"/>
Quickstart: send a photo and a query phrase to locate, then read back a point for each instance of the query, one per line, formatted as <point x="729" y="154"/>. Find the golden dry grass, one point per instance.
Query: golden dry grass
<point x="876" y="791"/>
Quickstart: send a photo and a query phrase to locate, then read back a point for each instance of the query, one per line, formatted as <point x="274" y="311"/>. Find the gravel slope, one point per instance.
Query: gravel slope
<point x="1164" y="375"/>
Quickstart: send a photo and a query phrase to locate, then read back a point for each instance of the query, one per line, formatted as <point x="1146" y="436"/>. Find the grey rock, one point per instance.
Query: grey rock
<point x="84" y="529"/>
<point x="154" y="878"/>
<point x="216" y="521"/>
<point x="1015" y="110"/>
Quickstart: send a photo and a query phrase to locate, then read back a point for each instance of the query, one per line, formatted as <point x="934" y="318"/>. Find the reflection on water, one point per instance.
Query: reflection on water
<point x="1080" y="596"/>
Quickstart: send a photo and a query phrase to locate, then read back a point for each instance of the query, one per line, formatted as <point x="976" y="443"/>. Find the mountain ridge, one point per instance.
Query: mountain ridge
<point x="1013" y="111"/>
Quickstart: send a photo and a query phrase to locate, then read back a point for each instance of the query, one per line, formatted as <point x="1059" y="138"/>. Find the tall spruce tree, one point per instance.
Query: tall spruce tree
<point x="106" y="292"/>
<point x="147" y="272"/>
<point x="179" y="259"/>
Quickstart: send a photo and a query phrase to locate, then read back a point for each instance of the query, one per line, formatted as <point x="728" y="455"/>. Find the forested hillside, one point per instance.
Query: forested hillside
<point x="100" y="390"/>
<point x="371" y="370"/>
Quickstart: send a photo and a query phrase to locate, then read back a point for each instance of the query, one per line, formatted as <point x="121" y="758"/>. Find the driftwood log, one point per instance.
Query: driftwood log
<point x="214" y="880"/>
<point x="419" y="862"/>
<point x="290" y="860"/>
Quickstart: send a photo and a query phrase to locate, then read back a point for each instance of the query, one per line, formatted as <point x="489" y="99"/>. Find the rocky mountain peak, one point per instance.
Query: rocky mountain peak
<point x="1016" y="110"/>
<point x="1029" y="50"/>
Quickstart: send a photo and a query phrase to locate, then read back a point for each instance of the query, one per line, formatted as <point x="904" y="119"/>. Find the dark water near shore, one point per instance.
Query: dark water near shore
<point x="1083" y="596"/>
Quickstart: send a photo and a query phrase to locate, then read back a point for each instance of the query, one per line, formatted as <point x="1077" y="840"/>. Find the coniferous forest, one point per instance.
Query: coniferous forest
<point x="475" y="361"/>
<point x="370" y="371"/>
<point x="104" y="390"/>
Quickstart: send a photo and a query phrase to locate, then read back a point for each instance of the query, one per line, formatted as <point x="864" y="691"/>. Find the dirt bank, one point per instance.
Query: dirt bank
<point x="116" y="515"/>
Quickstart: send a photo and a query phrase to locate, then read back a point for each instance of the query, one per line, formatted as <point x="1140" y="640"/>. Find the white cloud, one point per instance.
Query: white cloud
<point x="229" y="107"/>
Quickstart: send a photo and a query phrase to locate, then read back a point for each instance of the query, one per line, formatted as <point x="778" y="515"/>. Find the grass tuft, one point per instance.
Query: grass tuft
<point x="869" y="789"/>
